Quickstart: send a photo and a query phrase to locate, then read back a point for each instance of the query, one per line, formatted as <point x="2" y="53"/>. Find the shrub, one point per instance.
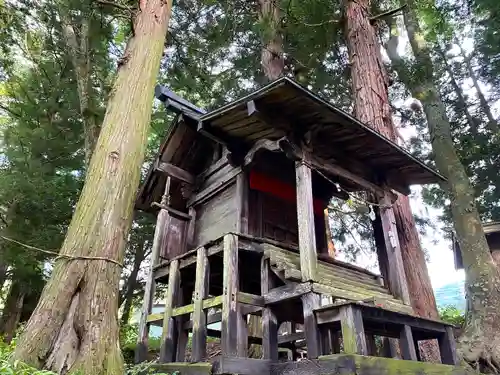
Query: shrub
<point x="452" y="315"/>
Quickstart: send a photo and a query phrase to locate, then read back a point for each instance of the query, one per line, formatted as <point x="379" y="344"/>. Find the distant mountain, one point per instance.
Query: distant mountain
<point x="451" y="295"/>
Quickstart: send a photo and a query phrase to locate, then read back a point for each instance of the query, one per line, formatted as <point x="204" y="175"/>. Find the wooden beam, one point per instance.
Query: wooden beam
<point x="305" y="217"/>
<point x="260" y="145"/>
<point x="311" y="301"/>
<point x="407" y="344"/>
<point x="297" y="154"/>
<point x="230" y="305"/>
<point x="168" y="336"/>
<point x="269" y="320"/>
<point x="447" y="347"/>
<point x="172" y="211"/>
<point x="286" y="292"/>
<point x="353" y="332"/>
<point x="250" y="299"/>
<point x="149" y="290"/>
<point x="397" y="277"/>
<point x="174" y="172"/>
<point x="199" y="339"/>
<point x="242" y="366"/>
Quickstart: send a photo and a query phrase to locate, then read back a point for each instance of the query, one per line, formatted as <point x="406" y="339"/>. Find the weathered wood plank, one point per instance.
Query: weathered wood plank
<point x="269" y="320"/>
<point x="397" y="277"/>
<point x="341" y="366"/>
<point x="389" y="304"/>
<point x="188" y="309"/>
<point x="187" y="258"/>
<point x="311" y="301"/>
<point x="216" y="216"/>
<point x="353" y="332"/>
<point x="242" y="366"/>
<point x="288" y="291"/>
<point x="175" y="172"/>
<point x="168" y="343"/>
<point x="181" y="368"/>
<point x="190" y="228"/>
<point x="407" y="344"/>
<point x="214" y="188"/>
<point x="172" y="211"/>
<point x="305" y="217"/>
<point x="242" y="202"/>
<point x="364" y="365"/>
<point x="342" y="284"/>
<point x="230" y="306"/>
<point x="447" y="347"/>
<point x="250" y="299"/>
<point x="199" y="339"/>
<point x="283" y="251"/>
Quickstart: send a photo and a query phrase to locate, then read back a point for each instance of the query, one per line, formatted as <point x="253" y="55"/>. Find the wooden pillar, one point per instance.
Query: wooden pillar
<point x="242" y="202"/>
<point x="269" y="320"/>
<point x="407" y="344"/>
<point x="181" y="333"/>
<point x="396" y="273"/>
<point x="169" y="331"/>
<point x="231" y="314"/>
<point x="305" y="217"/>
<point x="371" y="345"/>
<point x="311" y="301"/>
<point x="353" y="332"/>
<point x="447" y="347"/>
<point x="199" y="340"/>
<point x="149" y="290"/>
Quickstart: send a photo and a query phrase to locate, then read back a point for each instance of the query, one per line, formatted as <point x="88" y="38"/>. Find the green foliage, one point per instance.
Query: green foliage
<point x="452" y="315"/>
<point x="7" y="367"/>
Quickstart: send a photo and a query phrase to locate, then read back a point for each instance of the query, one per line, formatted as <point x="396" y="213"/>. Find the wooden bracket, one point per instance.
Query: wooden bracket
<point x="172" y="211"/>
<point x="174" y="172"/>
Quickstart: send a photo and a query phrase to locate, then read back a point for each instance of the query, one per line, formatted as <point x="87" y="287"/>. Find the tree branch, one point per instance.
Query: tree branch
<point x="115" y="5"/>
<point x="388" y="13"/>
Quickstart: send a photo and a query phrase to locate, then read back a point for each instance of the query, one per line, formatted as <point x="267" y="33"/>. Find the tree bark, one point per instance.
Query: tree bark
<point x="74" y="327"/>
<point x="479" y="343"/>
<point x="11" y="313"/>
<point x="273" y="62"/>
<point x="131" y="285"/>
<point x="483" y="103"/>
<point x="3" y="273"/>
<point x="78" y="49"/>
<point x="460" y="96"/>
<point x="372" y="107"/>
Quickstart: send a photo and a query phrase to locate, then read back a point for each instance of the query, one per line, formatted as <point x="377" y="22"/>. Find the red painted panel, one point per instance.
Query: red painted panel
<point x="280" y="189"/>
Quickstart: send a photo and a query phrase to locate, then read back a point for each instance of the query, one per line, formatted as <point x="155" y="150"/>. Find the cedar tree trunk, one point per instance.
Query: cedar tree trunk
<point x="464" y="108"/>
<point x="74" y="328"/>
<point x="485" y="106"/>
<point x="78" y="49"/>
<point x="479" y="343"/>
<point x="372" y="107"/>
<point x="272" y="59"/>
<point x="131" y="284"/>
<point x="11" y="313"/>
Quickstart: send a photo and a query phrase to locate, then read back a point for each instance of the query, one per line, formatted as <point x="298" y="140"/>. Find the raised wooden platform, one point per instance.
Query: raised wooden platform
<point x="341" y="364"/>
<point x="237" y="276"/>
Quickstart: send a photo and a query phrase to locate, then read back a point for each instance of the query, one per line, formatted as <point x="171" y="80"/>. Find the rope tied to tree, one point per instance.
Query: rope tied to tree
<point x="61" y="256"/>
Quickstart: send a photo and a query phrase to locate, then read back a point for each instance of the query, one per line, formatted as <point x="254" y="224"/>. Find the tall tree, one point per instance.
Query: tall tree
<point x="479" y="343"/>
<point x="74" y="327"/>
<point x="370" y="90"/>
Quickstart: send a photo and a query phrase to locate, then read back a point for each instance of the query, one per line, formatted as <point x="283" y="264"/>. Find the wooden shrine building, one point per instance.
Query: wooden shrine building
<point x="240" y="193"/>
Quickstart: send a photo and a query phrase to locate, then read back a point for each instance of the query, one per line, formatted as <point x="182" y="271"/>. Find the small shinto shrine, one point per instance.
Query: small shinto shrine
<point x="239" y="194"/>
